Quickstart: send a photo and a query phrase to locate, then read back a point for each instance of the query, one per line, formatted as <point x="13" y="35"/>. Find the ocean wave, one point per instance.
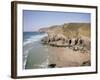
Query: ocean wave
<point x="34" y="38"/>
<point x="30" y="40"/>
<point x="25" y="57"/>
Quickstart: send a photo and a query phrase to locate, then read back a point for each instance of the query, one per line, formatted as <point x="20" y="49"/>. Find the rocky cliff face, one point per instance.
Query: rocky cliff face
<point x="67" y="34"/>
<point x="68" y="30"/>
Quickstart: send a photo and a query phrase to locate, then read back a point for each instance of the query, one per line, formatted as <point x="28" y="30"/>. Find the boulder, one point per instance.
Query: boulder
<point x="52" y="65"/>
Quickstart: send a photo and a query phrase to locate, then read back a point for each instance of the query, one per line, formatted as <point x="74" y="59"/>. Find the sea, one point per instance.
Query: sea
<point x="35" y="54"/>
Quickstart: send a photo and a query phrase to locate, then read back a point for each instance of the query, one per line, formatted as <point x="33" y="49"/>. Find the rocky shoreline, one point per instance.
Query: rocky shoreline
<point x="75" y="43"/>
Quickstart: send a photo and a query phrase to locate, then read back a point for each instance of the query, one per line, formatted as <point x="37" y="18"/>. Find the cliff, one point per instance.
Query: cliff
<point x="69" y="30"/>
<point x="68" y="34"/>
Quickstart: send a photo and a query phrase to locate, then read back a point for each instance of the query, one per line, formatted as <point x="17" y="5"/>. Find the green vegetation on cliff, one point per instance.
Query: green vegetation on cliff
<point x="70" y="29"/>
<point x="76" y="29"/>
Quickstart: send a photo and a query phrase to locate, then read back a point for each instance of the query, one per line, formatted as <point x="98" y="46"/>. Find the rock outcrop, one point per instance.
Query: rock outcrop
<point x="75" y="35"/>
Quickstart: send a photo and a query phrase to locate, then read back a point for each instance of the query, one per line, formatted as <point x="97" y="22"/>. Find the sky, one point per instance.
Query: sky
<point x="34" y="20"/>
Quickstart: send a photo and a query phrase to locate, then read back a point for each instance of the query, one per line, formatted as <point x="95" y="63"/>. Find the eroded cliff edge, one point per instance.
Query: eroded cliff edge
<point x="75" y="36"/>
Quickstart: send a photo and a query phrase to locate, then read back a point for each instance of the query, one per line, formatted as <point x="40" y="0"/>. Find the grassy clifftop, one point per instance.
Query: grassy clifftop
<point x="70" y="29"/>
<point x="76" y="29"/>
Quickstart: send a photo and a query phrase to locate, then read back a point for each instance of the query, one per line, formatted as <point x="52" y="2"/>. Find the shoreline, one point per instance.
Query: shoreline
<point x="55" y="56"/>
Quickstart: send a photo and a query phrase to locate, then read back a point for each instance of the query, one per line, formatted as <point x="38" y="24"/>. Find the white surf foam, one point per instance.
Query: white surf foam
<point x="29" y="41"/>
<point x="34" y="38"/>
<point x="25" y="57"/>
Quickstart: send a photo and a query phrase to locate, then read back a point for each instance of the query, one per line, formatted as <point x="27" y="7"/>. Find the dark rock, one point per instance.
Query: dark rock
<point x="52" y="65"/>
<point x="80" y="42"/>
<point x="86" y="63"/>
<point x="76" y="42"/>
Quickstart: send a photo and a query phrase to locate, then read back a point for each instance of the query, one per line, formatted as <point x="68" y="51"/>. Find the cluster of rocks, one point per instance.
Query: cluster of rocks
<point x="61" y="41"/>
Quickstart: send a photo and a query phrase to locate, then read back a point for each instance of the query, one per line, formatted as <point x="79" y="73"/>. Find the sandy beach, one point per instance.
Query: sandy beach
<point x="66" y="57"/>
<point x="41" y="56"/>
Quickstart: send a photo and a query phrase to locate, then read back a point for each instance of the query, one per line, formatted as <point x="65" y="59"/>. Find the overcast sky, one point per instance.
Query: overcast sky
<point x="34" y="20"/>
